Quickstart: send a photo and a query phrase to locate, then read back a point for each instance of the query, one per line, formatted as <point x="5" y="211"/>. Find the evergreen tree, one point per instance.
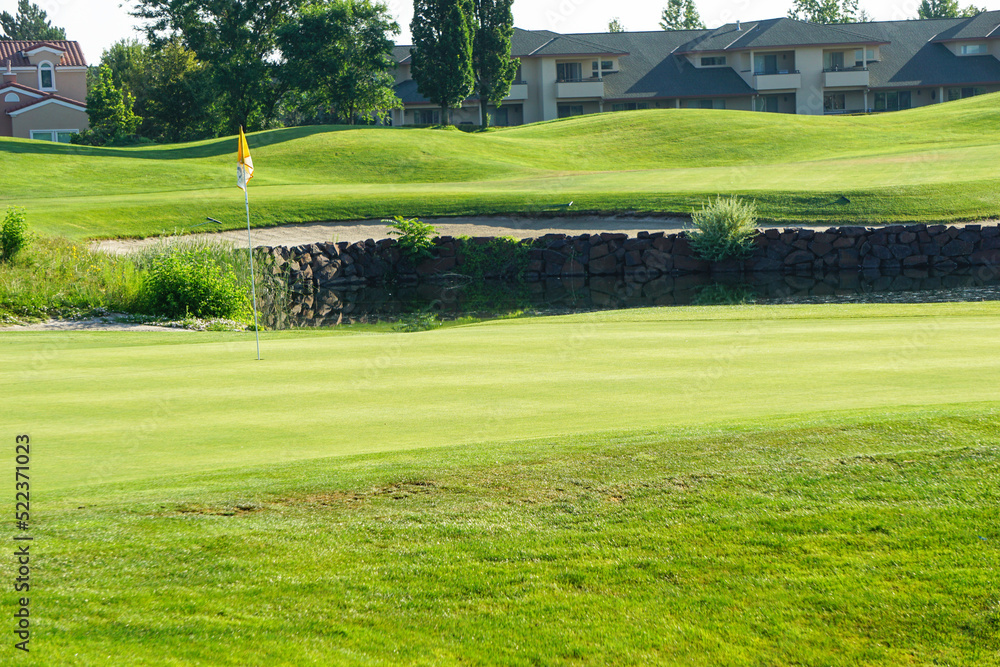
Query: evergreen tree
<point x="30" y="22"/>
<point x="339" y="58"/>
<point x="443" y="36"/>
<point x="493" y="67"/>
<point x="681" y="15"/>
<point x="110" y="111"/>
<point x="938" y="9"/>
<point x="827" y="11"/>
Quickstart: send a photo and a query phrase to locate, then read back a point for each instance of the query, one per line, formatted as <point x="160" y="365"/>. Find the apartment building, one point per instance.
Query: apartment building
<point x="778" y="65"/>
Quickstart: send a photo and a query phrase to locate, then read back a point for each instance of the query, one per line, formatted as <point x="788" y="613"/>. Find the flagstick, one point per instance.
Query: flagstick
<point x="253" y="279"/>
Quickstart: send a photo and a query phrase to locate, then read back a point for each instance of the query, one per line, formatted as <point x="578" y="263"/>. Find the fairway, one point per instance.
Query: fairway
<point x="132" y="406"/>
<point x="751" y="485"/>
<point x="932" y="163"/>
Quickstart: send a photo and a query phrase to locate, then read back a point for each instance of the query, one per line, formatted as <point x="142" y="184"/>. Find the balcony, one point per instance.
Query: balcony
<point x="581" y="88"/>
<point x="853" y="77"/>
<point x="782" y="80"/>
<point x="518" y="92"/>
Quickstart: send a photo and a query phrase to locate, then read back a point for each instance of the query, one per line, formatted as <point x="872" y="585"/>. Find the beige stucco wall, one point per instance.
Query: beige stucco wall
<point x="72" y="84"/>
<point x="809" y="97"/>
<point x="49" y="117"/>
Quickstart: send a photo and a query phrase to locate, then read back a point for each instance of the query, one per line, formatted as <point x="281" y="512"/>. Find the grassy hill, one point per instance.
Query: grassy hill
<point x="931" y="163"/>
<point x="808" y="485"/>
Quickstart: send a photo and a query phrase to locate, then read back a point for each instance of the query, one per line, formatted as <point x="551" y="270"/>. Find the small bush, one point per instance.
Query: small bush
<point x="414" y="236"/>
<point x="192" y="282"/>
<point x="502" y="257"/>
<point x="726" y="229"/>
<point x="13" y="234"/>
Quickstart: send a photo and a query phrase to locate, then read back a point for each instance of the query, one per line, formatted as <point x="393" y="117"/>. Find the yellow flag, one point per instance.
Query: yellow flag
<point x="244" y="169"/>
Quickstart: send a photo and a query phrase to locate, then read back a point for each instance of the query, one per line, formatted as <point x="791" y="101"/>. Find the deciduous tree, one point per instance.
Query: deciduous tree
<point x="443" y="36"/>
<point x="338" y="56"/>
<point x="110" y="111"/>
<point x="827" y="11"/>
<point x="30" y="22"/>
<point x="236" y="40"/>
<point x="493" y="67"/>
<point x="615" y="25"/>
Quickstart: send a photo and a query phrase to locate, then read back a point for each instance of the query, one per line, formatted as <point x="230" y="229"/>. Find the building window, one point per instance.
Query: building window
<point x="893" y="101"/>
<point x="833" y="61"/>
<point x="567" y="110"/>
<point x="973" y="49"/>
<point x="46" y="80"/>
<point x="61" y="136"/>
<point x="630" y="106"/>
<point x="962" y="93"/>
<point x="501" y="116"/>
<point x="569" y="72"/>
<point x="713" y="61"/>
<point x="11" y="97"/>
<point x="768" y="103"/>
<point x="707" y="104"/>
<point x="859" y="61"/>
<point x="427" y="116"/>
<point x="834" y="102"/>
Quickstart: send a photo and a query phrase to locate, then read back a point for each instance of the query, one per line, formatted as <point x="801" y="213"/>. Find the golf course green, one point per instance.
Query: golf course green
<point x="932" y="163"/>
<point x="711" y="485"/>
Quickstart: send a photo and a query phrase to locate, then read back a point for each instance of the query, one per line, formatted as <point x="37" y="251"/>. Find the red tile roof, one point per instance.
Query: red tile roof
<point x="12" y="49"/>
<point x="48" y="97"/>
<point x="18" y="86"/>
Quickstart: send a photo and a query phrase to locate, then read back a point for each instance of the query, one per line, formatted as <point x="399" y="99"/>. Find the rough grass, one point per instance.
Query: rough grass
<point x="839" y="542"/>
<point x="929" y="163"/>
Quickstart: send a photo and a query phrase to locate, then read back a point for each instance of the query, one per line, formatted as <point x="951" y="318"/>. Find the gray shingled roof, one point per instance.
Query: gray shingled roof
<point x="574" y="45"/>
<point x="651" y="70"/>
<point x="911" y="59"/>
<point x="772" y="33"/>
<point x="979" y="26"/>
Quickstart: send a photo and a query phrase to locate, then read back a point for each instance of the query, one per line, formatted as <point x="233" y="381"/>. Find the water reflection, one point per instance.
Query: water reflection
<point x="459" y="298"/>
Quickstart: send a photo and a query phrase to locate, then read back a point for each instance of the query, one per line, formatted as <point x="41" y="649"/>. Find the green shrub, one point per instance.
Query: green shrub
<point x="192" y="281"/>
<point x="13" y="233"/>
<point x="414" y="236"/>
<point x="726" y="229"/>
<point x="503" y="256"/>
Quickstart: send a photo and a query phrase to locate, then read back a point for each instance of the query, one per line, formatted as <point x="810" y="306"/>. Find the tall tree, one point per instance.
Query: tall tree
<point x="30" y="22"/>
<point x="827" y="11"/>
<point x="236" y="40"/>
<point x="110" y="111"/>
<point x="493" y="67"/>
<point x="945" y="9"/>
<point x="681" y="15"/>
<point x="338" y="55"/>
<point x="615" y="25"/>
<point x="443" y="34"/>
<point x="180" y="104"/>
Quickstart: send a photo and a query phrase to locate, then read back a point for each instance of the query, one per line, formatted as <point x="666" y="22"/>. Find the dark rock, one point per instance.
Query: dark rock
<point x="899" y="250"/>
<point x="820" y="248"/>
<point x="843" y="242"/>
<point x="799" y="257"/>
<point x="606" y="265"/>
<point x="957" y="248"/>
<point x="658" y="261"/>
<point x="907" y="237"/>
<point x="914" y="261"/>
<point x="573" y="268"/>
<point x="598" y="251"/>
<point x="687" y="264"/>
<point x="435" y="266"/>
<point x="848" y="258"/>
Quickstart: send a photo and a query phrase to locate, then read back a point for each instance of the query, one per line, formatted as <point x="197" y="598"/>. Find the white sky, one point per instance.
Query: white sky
<point x="97" y="24"/>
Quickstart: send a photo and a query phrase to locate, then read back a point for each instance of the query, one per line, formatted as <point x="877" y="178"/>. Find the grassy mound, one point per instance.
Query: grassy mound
<point x="929" y="163"/>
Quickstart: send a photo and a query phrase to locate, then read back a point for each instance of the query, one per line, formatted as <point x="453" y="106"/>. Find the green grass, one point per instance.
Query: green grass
<point x="932" y="163"/>
<point x="810" y="485"/>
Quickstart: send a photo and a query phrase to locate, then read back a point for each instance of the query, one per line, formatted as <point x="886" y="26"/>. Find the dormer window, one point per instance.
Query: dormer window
<point x="46" y="80"/>
<point x="973" y="49"/>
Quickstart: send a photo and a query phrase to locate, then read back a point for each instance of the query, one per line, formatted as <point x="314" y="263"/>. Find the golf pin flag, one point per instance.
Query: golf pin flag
<point x="244" y="169"/>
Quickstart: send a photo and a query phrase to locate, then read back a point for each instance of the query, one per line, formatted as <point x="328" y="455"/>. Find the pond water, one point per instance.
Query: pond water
<point x="462" y="298"/>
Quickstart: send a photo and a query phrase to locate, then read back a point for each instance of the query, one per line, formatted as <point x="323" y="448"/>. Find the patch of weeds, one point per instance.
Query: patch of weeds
<point x="414" y="237"/>
<point x="501" y="257"/>
<point x="724" y="229"/>
<point x="192" y="282"/>
<point x="418" y="322"/>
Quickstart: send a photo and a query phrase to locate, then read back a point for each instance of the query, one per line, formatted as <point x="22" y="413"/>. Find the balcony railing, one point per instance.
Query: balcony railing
<point x="844" y="77"/>
<point x="593" y="87"/>
<point x="518" y="91"/>
<point x="777" y="80"/>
